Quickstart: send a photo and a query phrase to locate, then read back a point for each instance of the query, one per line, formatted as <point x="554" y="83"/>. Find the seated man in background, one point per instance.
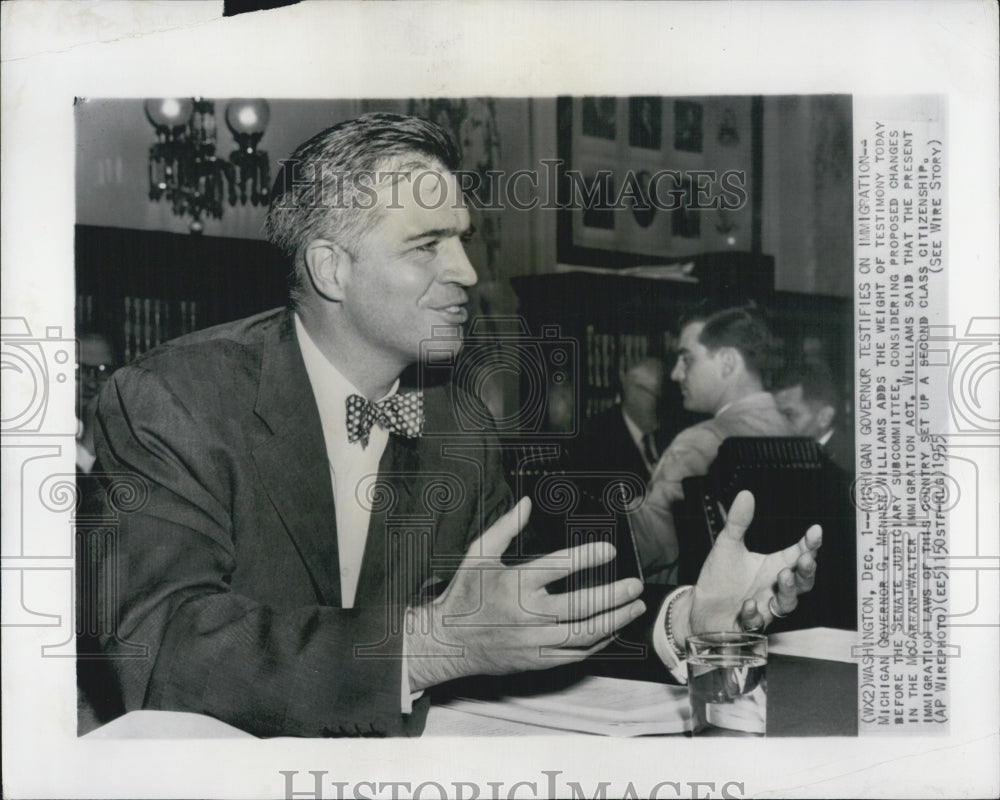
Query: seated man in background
<point x="625" y="438"/>
<point x="95" y="365"/>
<point x="806" y="395"/>
<point x="307" y="528"/>
<point x="719" y="369"/>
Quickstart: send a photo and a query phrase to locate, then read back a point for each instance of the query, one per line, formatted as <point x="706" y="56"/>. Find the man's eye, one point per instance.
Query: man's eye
<point x="468" y="235"/>
<point x="429" y="247"/>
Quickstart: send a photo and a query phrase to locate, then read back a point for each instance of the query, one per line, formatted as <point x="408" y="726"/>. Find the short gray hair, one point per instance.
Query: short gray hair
<point x="332" y="162"/>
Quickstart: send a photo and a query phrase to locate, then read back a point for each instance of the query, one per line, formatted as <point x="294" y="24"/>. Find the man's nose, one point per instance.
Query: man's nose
<point x="458" y="269"/>
<point x="677" y="373"/>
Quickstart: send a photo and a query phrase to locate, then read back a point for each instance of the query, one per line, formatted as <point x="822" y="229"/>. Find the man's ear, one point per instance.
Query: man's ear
<point x="825" y="417"/>
<point x="729" y="360"/>
<point x="329" y="267"/>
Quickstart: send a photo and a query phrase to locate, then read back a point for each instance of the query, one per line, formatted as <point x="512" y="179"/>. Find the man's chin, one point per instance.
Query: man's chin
<point x="693" y="407"/>
<point x="442" y="345"/>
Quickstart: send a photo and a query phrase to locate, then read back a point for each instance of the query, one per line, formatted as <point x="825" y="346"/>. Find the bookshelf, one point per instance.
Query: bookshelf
<point x="141" y="288"/>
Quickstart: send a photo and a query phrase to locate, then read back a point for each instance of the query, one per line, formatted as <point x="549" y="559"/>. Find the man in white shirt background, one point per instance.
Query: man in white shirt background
<point x="719" y="369"/>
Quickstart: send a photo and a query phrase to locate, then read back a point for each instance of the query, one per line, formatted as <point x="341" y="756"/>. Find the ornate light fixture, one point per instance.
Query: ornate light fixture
<point x="247" y="120"/>
<point x="184" y="167"/>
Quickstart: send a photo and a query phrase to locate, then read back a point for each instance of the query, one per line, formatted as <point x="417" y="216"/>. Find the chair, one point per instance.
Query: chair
<point x="794" y="485"/>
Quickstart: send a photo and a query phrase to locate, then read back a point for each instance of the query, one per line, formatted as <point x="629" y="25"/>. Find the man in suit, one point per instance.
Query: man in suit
<point x="625" y="438"/>
<point x="719" y="369"/>
<point x="309" y="544"/>
<point x="96" y="363"/>
<point x="808" y="398"/>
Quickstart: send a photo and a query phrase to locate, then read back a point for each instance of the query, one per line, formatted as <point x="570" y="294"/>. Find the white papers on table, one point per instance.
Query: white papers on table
<point x="827" y="644"/>
<point x="748" y="714"/>
<point x="597" y="705"/>
<point x="443" y="720"/>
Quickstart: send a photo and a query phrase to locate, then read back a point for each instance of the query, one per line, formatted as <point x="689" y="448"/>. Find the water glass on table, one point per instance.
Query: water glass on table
<point x="727" y="684"/>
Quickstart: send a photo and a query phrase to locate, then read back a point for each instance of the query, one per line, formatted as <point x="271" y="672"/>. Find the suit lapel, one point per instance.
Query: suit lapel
<point x="293" y="463"/>
<point x="632" y="459"/>
<point x="401" y="533"/>
<point x="294" y="469"/>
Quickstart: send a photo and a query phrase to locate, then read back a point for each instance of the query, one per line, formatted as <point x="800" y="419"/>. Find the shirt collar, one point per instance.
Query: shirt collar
<point x="634" y="431"/>
<point x="826" y="437"/>
<point x="84" y="459"/>
<point x="331" y="390"/>
<point x="749" y="399"/>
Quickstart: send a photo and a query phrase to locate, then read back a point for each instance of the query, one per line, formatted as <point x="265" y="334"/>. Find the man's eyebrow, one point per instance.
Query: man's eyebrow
<point x="442" y="233"/>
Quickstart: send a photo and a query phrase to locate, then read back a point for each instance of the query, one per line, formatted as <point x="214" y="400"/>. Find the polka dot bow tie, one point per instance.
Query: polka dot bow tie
<point x="402" y="414"/>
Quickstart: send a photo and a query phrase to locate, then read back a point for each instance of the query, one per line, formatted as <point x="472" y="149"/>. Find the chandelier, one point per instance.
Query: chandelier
<point x="184" y="168"/>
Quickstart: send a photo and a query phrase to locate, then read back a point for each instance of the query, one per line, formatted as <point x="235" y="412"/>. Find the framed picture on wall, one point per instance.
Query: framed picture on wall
<point x="601" y="186"/>
<point x="687" y="126"/>
<point x="645" y="122"/>
<point x="686" y="220"/>
<point x="599" y="117"/>
<point x="643" y="180"/>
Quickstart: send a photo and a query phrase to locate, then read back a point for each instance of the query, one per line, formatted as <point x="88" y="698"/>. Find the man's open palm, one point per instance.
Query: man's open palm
<point x="736" y="586"/>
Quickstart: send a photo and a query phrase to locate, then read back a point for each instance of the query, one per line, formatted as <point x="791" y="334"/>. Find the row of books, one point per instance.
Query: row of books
<point x="148" y="321"/>
<point x="608" y="355"/>
<point x="595" y="405"/>
<point x="145" y="321"/>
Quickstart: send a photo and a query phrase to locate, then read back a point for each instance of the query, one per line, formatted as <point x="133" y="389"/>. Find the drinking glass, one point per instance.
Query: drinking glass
<point x="727" y="684"/>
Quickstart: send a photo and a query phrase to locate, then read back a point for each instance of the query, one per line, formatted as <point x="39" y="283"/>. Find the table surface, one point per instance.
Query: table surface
<point x="807" y="696"/>
<point x="812" y="688"/>
<point x="810" y="697"/>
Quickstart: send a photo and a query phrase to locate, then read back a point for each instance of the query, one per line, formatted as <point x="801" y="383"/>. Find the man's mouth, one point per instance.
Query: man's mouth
<point x="455" y="313"/>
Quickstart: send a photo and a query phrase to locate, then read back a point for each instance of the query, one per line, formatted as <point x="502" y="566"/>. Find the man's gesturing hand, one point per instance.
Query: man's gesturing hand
<point x="736" y="586"/>
<point x="495" y="619"/>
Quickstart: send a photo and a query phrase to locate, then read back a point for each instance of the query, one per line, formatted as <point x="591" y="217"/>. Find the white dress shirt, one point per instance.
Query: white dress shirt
<point x="352" y="467"/>
<point x="350" y="463"/>
<point x="84" y="459"/>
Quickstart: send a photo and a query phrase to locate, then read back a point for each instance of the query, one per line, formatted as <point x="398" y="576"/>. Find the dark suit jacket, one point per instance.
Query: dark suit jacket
<point x="225" y="560"/>
<point x="605" y="444"/>
<point x="840" y="448"/>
